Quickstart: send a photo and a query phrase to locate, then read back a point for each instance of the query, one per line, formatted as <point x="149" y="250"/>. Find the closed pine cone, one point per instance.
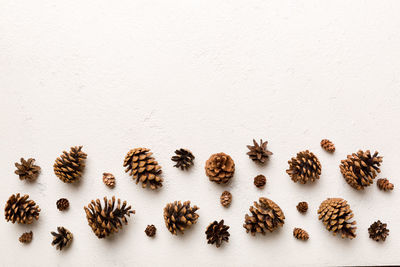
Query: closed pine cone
<point x="184" y="159"/>
<point x="27" y="170"/>
<point x="26" y="237"/>
<point x="62" y="204"/>
<point x="300" y="234"/>
<point x="217" y="232"/>
<point x="108" y="179"/>
<point x="265" y="216"/>
<point x="179" y="216"/>
<point x="21" y="210"/>
<point x="226" y="198"/>
<point x="302" y="207"/>
<point x="259" y="152"/>
<point x="62" y="238"/>
<point x="378" y="231"/>
<point x="220" y="168"/>
<point x="328" y="145"/>
<point x="150" y="230"/>
<point x="335" y="213"/>
<point x="143" y="168"/>
<point x="360" y="169"/>
<point x="108" y="219"/>
<point x="70" y="165"/>
<point x="305" y="167"/>
<point x="260" y="181"/>
<point x="384" y="184"/>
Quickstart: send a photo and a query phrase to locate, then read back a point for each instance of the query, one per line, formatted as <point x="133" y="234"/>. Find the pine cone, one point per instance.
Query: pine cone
<point x="27" y="170"/>
<point x="217" y="232"/>
<point x="259" y="152"/>
<point x="378" y="231"/>
<point x="335" y="213"/>
<point x="150" y="230"/>
<point x="184" y="159"/>
<point x="26" y="237"/>
<point x="260" y="180"/>
<point x="21" y="210"/>
<point x="62" y="204"/>
<point x="220" y="168"/>
<point x="62" y="239"/>
<point x="109" y="179"/>
<point x="302" y="207"/>
<point x="265" y="216"/>
<point x="328" y="145"/>
<point x="178" y="217"/>
<point x="69" y="166"/>
<point x="108" y="219"/>
<point x="143" y="167"/>
<point x="304" y="168"/>
<point x="300" y="234"/>
<point x="360" y="169"/>
<point x="384" y="184"/>
<point x="226" y="198"/>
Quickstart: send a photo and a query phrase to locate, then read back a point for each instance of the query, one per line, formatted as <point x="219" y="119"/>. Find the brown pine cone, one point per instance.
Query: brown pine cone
<point x="109" y="179"/>
<point x="62" y="204"/>
<point x="302" y="207"/>
<point x="62" y="238"/>
<point x="226" y="198"/>
<point x="220" y="168"/>
<point x="260" y="181"/>
<point x="27" y="170"/>
<point x="184" y="159"/>
<point x="259" y="152"/>
<point x="150" y="230"/>
<point x="304" y="168"/>
<point x="328" y="145"/>
<point x="378" y="231"/>
<point x="21" y="210"/>
<point x="360" y="169"/>
<point x="384" y="184"/>
<point x="300" y="234"/>
<point x="26" y="237"/>
<point x="217" y="232"/>
<point x="179" y="216"/>
<point x="143" y="168"/>
<point x="335" y="213"/>
<point x="70" y="165"/>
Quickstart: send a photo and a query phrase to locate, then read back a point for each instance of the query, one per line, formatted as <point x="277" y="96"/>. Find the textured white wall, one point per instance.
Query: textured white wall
<point x="209" y="76"/>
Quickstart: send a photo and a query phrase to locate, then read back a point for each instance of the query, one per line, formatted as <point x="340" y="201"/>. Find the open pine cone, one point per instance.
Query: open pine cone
<point x="143" y="168"/>
<point x="62" y="238"/>
<point x="217" y="232"/>
<point x="384" y="184"/>
<point x="265" y="216"/>
<point x="179" y="216"/>
<point x="301" y="234"/>
<point x="21" y="210"/>
<point x="305" y="167"/>
<point x="27" y="170"/>
<point x="360" y="169"/>
<point x="259" y="152"/>
<point x="220" y="168"/>
<point x="378" y="231"/>
<point x="108" y="219"/>
<point x="109" y="179"/>
<point x="26" y="237"/>
<point x="184" y="158"/>
<point x="335" y="213"/>
<point x="69" y="166"/>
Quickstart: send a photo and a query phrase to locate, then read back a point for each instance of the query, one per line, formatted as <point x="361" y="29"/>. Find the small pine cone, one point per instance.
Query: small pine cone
<point x="378" y="231"/>
<point x="179" y="216"/>
<point x="62" y="204"/>
<point x="62" y="238"/>
<point x="220" y="168"/>
<point x="384" y="184"/>
<point x="335" y="213"/>
<point x="259" y="152"/>
<point x="226" y="198"/>
<point x="21" y="210"/>
<point x="300" y="234"/>
<point x="305" y="167"/>
<point x="109" y="179"/>
<point x="143" y="168"/>
<point x="184" y="159"/>
<point x="150" y="230"/>
<point x="217" y="232"/>
<point x="265" y="216"/>
<point x="27" y="170"/>
<point x="302" y="207"/>
<point x="26" y="237"/>
<point x="70" y="165"/>
<point x="260" y="180"/>
<point x="360" y="169"/>
<point x="328" y="145"/>
<point x="108" y="219"/>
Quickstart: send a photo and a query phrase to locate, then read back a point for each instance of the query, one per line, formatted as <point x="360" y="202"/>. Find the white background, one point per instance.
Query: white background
<point x="209" y="76"/>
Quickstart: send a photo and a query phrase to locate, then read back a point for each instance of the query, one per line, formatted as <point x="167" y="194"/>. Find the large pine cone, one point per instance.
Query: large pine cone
<point x="143" y="167"/>
<point x="69" y="166"/>
<point x="304" y="167"/>
<point x="184" y="159"/>
<point x="360" y="169"/>
<point x="27" y="170"/>
<point x="378" y="231"/>
<point x="335" y="213"/>
<point x="259" y="152"/>
<point x="217" y="232"/>
<point x="179" y="216"/>
<point x="220" y="168"/>
<point x="265" y="216"/>
<point x="62" y="238"/>
<point x="21" y="210"/>
<point x="108" y="219"/>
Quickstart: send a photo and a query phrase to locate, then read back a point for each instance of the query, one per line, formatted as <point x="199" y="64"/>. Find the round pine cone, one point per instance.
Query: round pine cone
<point x="27" y="170"/>
<point x="184" y="159"/>
<point x="226" y="198"/>
<point x="384" y="184"/>
<point x="62" y="204"/>
<point x="259" y="152"/>
<point x="378" y="231"/>
<point x="21" y="210"/>
<point x="143" y="168"/>
<point x="300" y="234"/>
<point x="260" y="181"/>
<point x="217" y="232"/>
<point x="69" y="166"/>
<point x="335" y="213"/>
<point x="179" y="216"/>
<point x="304" y="167"/>
<point x="265" y="216"/>
<point x="109" y="179"/>
<point x="26" y="237"/>
<point x="62" y="238"/>
<point x="220" y="168"/>
<point x="328" y="145"/>
<point x="150" y="230"/>
<point x="360" y="169"/>
<point x="302" y="207"/>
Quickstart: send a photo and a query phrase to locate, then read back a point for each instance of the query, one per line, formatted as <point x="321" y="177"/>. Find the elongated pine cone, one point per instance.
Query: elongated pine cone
<point x="70" y="165"/>
<point x="360" y="169"/>
<point x="150" y="230"/>
<point x="108" y="219"/>
<point x="302" y="207"/>
<point x="180" y="216"/>
<point x="305" y="167"/>
<point x="260" y="181"/>
<point x="226" y="198"/>
<point x="259" y="152"/>
<point x="27" y="170"/>
<point x="143" y="168"/>
<point x="62" y="238"/>
<point x="184" y="159"/>
<point x="328" y="145"/>
<point x="62" y="204"/>
<point x="21" y="210"/>
<point x="265" y="216"/>
<point x="378" y="231"/>
<point x="384" y="184"/>
<point x="220" y="168"/>
<point x="217" y="232"/>
<point x="335" y="213"/>
<point x="26" y="237"/>
<point x="109" y="179"/>
<point x="301" y="234"/>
